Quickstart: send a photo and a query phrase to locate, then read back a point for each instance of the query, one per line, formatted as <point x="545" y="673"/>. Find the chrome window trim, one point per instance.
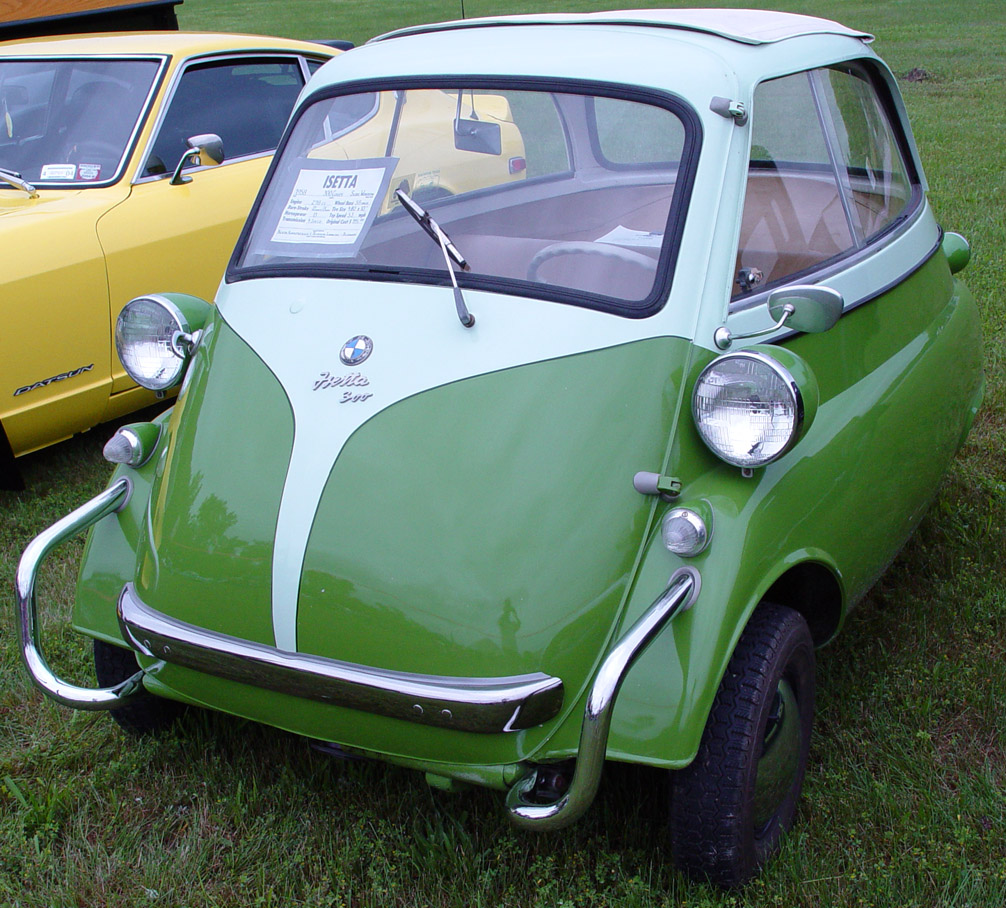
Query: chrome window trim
<point x="129" y="150"/>
<point x="863" y="247"/>
<point x="846" y="261"/>
<point x="169" y="95"/>
<point x="479" y="705"/>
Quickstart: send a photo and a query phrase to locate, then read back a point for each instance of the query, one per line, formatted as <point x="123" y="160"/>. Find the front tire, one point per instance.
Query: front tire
<point x="732" y="804"/>
<point x="144" y="715"/>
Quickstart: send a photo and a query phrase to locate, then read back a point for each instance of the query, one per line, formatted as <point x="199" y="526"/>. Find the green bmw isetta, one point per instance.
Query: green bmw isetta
<point x="499" y="478"/>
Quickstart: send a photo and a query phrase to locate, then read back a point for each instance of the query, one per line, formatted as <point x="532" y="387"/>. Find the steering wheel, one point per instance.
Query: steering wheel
<point x="92" y="151"/>
<point x="580" y="247"/>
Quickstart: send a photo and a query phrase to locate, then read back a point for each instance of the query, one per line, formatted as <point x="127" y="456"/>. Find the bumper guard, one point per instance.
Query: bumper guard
<point x="680" y="594"/>
<point x="113" y="499"/>
<point x="486" y="705"/>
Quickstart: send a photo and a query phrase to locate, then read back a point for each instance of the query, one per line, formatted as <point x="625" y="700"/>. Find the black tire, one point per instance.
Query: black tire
<point x="146" y="714"/>
<point x="724" y="824"/>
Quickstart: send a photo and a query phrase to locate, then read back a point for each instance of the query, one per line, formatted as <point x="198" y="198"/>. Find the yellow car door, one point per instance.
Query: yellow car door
<point x="55" y="349"/>
<point x="176" y="232"/>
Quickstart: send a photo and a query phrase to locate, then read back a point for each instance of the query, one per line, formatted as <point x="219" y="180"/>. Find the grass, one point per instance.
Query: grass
<point x="905" y="801"/>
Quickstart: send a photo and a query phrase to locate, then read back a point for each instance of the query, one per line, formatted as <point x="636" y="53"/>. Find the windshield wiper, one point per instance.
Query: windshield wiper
<point x="14" y="178"/>
<point x="450" y="251"/>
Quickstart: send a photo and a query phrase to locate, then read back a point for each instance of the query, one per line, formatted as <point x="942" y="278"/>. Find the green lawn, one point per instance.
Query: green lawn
<point x="905" y="801"/>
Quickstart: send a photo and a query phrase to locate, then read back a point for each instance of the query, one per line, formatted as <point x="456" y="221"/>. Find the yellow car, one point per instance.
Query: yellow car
<point x="109" y="184"/>
<point x="456" y="141"/>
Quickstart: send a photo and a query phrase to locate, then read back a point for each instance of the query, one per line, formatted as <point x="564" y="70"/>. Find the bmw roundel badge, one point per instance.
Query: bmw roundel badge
<point x="356" y="350"/>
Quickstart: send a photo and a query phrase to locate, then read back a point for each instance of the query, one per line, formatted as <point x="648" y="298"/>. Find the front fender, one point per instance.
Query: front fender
<point x="109" y="560"/>
<point x="662" y="708"/>
<point x="845" y="499"/>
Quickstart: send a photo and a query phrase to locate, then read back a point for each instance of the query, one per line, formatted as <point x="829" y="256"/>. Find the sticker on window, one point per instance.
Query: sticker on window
<point x="88" y="172"/>
<point x="58" y="172"/>
<point x="331" y="206"/>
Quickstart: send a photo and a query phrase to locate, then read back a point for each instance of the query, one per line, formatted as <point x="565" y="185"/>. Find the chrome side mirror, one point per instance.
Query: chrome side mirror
<point x="812" y="309"/>
<point x="207" y="150"/>
<point x="808" y="308"/>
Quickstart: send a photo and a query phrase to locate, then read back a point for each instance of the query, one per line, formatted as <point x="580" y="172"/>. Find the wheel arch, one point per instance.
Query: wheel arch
<point x="10" y="475"/>
<point x="812" y="588"/>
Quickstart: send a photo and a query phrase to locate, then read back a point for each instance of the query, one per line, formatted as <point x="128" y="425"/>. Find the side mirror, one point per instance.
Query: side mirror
<point x="206" y="150"/>
<point x="478" y="135"/>
<point x="809" y="308"/>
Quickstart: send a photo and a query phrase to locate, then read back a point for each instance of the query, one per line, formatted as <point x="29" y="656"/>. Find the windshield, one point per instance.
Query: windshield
<point x="542" y="192"/>
<point x="70" y="121"/>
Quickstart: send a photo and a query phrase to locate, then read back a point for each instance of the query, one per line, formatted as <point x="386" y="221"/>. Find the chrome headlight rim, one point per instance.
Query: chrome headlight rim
<point x="181" y="329"/>
<point x="792" y="387"/>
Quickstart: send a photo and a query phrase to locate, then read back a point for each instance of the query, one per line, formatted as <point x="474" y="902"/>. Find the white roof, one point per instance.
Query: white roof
<point x="746" y="26"/>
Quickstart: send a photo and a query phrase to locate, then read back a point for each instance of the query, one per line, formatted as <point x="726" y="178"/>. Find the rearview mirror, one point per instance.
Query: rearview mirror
<point x="808" y="308"/>
<point x="478" y="135"/>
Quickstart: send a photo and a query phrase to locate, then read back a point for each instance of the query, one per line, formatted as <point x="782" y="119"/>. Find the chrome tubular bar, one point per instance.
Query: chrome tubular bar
<point x="481" y="705"/>
<point x="680" y="594"/>
<point x="113" y="499"/>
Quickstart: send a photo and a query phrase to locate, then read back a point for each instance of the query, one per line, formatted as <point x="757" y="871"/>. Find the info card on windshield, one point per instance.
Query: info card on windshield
<point x="331" y="204"/>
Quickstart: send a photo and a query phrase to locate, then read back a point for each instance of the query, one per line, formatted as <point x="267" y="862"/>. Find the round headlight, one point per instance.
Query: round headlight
<point x="148" y="338"/>
<point x="748" y="408"/>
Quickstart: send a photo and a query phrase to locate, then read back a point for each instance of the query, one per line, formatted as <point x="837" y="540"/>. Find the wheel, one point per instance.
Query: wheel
<point x="578" y="247"/>
<point x="732" y="804"/>
<point x="146" y="714"/>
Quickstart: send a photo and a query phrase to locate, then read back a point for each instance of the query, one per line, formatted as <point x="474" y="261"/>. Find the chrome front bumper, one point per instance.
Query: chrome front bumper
<point x="481" y="705"/>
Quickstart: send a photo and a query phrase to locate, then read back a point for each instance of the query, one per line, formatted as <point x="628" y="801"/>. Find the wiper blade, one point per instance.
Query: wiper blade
<point x="450" y="251"/>
<point x="14" y="178"/>
<point x="436" y="232"/>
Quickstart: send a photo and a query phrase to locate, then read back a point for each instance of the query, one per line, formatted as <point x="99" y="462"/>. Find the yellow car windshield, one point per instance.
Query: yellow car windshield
<point x="70" y="121"/>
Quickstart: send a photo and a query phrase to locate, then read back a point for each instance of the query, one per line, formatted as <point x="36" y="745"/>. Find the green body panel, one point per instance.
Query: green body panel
<point x="496" y="534"/>
<point x="501" y="532"/>
<point x="894" y="376"/>
<point x="206" y="555"/>
<point x="109" y="558"/>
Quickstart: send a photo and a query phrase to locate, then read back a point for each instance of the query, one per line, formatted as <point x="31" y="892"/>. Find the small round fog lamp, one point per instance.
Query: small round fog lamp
<point x="684" y="532"/>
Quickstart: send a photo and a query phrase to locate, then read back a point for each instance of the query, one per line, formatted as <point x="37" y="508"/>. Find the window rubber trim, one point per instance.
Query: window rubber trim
<point x="677" y="215"/>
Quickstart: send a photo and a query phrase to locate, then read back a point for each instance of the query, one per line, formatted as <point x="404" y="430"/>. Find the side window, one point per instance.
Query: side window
<point x="825" y="175"/>
<point x="245" y="102"/>
<point x="870" y="162"/>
